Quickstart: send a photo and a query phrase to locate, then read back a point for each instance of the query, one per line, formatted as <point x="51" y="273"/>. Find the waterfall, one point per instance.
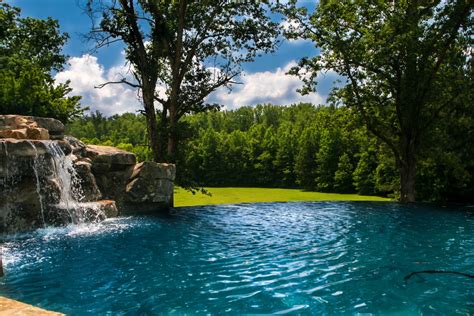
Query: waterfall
<point x="40" y="184"/>
<point x="49" y="179"/>
<point x="71" y="194"/>
<point x="70" y="189"/>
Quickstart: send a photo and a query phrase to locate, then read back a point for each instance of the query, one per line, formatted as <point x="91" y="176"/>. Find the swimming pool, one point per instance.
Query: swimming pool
<point x="303" y="258"/>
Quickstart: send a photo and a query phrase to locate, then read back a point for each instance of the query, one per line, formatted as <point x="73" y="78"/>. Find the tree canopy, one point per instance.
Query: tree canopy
<point x="189" y="48"/>
<point x="30" y="50"/>
<point x="406" y="66"/>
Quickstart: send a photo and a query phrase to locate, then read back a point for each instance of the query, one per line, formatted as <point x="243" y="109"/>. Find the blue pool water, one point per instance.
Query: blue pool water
<point x="297" y="258"/>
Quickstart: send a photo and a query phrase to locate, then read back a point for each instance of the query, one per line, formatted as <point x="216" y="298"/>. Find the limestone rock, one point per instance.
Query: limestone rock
<point x="37" y="133"/>
<point x="55" y="128"/>
<point x="112" y="169"/>
<point x="22" y="148"/>
<point x="108" y="158"/>
<point x="153" y="170"/>
<point x="65" y="147"/>
<point x="112" y="183"/>
<point x="29" y="148"/>
<point x="12" y="307"/>
<point x="78" y="147"/>
<point x="30" y="127"/>
<point x="19" y="133"/>
<point x="16" y="122"/>
<point x="25" y="133"/>
<point x="150" y="187"/>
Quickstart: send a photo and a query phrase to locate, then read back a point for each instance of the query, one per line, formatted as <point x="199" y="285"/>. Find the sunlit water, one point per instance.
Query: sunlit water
<point x="299" y="258"/>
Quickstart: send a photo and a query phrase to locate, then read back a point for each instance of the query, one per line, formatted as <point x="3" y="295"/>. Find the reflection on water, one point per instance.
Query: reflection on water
<point x="298" y="258"/>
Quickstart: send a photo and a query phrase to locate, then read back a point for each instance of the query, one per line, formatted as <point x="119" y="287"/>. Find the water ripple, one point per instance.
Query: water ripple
<point x="271" y="258"/>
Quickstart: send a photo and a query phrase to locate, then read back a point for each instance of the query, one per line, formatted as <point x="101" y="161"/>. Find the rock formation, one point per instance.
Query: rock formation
<point x="47" y="178"/>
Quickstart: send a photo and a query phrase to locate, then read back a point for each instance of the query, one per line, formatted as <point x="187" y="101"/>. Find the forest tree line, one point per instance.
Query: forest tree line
<point x="323" y="148"/>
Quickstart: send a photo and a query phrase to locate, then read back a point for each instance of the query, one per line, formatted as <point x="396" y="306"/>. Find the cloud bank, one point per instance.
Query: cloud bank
<point x="265" y="87"/>
<point x="85" y="73"/>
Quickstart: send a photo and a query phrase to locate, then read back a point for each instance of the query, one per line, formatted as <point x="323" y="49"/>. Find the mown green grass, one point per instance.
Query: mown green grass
<point x="251" y="195"/>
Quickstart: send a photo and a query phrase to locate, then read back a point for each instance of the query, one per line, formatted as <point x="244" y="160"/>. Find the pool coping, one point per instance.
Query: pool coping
<point x="13" y="307"/>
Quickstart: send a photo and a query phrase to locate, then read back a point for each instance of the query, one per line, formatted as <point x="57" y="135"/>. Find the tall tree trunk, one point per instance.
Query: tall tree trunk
<point x="176" y="78"/>
<point x="173" y="137"/>
<point x="407" y="169"/>
<point x="164" y="131"/>
<point x="152" y="129"/>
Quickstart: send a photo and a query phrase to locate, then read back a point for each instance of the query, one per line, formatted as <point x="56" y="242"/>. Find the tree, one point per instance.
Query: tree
<point x="405" y="64"/>
<point x="327" y="158"/>
<point x="189" y="47"/>
<point x="364" y="175"/>
<point x="305" y="158"/>
<point x="343" y="174"/>
<point x="30" y="49"/>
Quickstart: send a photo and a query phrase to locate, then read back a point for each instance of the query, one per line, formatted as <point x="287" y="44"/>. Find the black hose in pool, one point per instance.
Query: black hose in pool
<point x="438" y="271"/>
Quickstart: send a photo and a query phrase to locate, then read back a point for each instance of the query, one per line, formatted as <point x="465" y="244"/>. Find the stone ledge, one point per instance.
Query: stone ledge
<point x="108" y="156"/>
<point x="12" y="307"/>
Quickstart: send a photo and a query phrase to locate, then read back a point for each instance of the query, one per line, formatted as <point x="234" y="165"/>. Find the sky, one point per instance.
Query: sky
<point x="262" y="81"/>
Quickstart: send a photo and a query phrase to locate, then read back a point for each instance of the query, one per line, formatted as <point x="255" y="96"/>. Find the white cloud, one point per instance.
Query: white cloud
<point x="264" y="87"/>
<point x="85" y="73"/>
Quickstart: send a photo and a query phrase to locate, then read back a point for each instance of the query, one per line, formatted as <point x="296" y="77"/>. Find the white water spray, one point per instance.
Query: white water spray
<point x="38" y="185"/>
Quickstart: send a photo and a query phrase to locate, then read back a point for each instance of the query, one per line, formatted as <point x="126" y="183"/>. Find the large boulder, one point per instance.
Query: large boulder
<point x="55" y="128"/>
<point x="108" y="158"/>
<point x="153" y="170"/>
<point x="27" y="188"/>
<point x="22" y="148"/>
<point x="150" y="187"/>
<point x="112" y="168"/>
<point x="16" y="122"/>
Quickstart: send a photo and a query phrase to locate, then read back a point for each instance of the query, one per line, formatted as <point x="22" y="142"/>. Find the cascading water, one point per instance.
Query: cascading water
<point x="71" y="195"/>
<point x="38" y="186"/>
<point x="48" y="179"/>
<point x="70" y="189"/>
<point x="41" y="185"/>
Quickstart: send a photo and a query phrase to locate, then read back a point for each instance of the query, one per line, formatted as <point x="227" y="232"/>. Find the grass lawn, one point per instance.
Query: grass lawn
<point x="248" y="195"/>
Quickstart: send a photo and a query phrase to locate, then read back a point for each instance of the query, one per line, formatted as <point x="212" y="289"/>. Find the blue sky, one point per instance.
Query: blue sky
<point x="264" y="81"/>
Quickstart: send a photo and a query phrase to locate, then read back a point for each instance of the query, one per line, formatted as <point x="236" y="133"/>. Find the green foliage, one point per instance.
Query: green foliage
<point x="404" y="66"/>
<point x="364" y="174"/>
<point x="30" y="49"/>
<point x="299" y="146"/>
<point x="26" y="89"/>
<point x="188" y="47"/>
<point x="343" y="174"/>
<point x="305" y="160"/>
<point x="126" y="131"/>
<point x="327" y="159"/>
